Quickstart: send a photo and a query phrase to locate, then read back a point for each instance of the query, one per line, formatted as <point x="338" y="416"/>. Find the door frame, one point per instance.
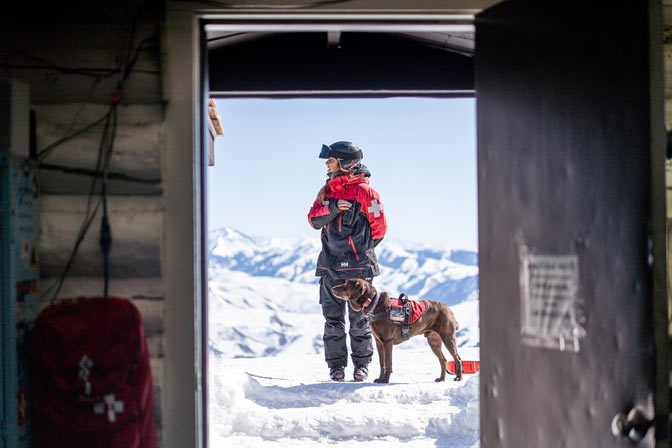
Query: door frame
<point x="659" y="260"/>
<point x="185" y="253"/>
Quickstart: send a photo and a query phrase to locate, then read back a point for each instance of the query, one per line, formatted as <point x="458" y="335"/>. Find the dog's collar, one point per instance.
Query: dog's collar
<point x="366" y="303"/>
<point x="375" y="303"/>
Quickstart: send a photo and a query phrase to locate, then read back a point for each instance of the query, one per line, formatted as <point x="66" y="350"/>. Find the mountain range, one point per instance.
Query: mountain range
<point x="263" y="297"/>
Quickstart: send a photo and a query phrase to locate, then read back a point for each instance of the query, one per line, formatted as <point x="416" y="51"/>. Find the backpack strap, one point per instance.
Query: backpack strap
<point x="404" y="332"/>
<point x="403" y="298"/>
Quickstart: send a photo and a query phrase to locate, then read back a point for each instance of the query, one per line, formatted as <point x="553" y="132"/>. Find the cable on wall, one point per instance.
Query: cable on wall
<point x="101" y="171"/>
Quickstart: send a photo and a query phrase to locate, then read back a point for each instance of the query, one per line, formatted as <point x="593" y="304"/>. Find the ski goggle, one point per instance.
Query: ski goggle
<point x="328" y="151"/>
<point x="324" y="153"/>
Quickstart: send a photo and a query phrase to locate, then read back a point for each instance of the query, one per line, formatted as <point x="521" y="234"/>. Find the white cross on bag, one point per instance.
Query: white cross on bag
<point x="375" y="208"/>
<point x="113" y="407"/>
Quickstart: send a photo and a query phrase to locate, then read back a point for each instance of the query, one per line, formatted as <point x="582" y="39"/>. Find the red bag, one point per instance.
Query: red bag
<point x="90" y="375"/>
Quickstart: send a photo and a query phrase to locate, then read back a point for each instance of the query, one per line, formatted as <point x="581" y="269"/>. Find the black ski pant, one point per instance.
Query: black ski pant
<point x="335" y="349"/>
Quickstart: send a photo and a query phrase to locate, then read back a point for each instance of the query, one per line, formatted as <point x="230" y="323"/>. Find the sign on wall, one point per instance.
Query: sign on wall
<point x="552" y="312"/>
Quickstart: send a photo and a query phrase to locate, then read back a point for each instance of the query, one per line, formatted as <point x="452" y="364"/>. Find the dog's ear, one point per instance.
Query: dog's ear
<point x="338" y="291"/>
<point x="357" y="290"/>
<point x="369" y="290"/>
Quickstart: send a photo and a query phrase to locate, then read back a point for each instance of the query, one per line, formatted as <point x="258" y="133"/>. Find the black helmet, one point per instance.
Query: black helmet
<point x="347" y="153"/>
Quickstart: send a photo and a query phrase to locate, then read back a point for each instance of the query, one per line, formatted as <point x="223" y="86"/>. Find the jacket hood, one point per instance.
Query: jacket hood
<point x="362" y="170"/>
<point x="340" y="182"/>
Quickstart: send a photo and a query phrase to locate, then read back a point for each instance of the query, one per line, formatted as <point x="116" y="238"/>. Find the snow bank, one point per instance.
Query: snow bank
<point x="268" y="402"/>
<point x="465" y="423"/>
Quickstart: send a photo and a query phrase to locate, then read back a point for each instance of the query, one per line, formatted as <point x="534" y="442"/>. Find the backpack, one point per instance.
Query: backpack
<point x="90" y="376"/>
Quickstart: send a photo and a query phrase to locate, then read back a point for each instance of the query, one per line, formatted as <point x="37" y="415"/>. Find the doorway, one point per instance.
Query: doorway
<point x="531" y="15"/>
<point x="265" y="321"/>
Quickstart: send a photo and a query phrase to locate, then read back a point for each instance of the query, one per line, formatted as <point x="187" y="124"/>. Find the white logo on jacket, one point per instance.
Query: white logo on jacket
<point x="344" y="264"/>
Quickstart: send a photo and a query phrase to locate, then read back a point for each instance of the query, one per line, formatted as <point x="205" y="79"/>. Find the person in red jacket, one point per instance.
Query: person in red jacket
<point x="350" y="215"/>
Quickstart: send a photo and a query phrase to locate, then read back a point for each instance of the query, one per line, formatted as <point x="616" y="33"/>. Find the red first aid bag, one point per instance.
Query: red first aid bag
<point x="90" y="376"/>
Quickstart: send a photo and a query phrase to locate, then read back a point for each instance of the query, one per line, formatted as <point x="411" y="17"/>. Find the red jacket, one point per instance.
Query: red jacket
<point x="349" y="238"/>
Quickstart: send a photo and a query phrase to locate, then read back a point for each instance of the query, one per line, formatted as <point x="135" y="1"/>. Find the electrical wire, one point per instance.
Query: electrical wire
<point x="88" y="97"/>
<point x="88" y="172"/>
<point x="42" y="154"/>
<point x="94" y="72"/>
<point x="88" y="215"/>
<point x="105" y="239"/>
<point x="105" y="150"/>
<point x="91" y="210"/>
<point x="142" y="46"/>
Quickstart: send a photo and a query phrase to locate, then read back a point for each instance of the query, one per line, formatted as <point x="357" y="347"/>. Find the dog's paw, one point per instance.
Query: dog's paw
<point x="459" y="378"/>
<point x="438" y="380"/>
<point x="381" y="380"/>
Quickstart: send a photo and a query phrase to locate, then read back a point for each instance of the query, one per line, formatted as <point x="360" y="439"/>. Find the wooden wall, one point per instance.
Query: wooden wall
<point x="71" y="68"/>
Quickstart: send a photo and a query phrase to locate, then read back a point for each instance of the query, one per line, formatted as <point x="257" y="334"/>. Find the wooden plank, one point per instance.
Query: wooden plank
<point x="65" y="182"/>
<point x="136" y="224"/>
<point x="78" y="114"/>
<point x="157" y="365"/>
<point x="215" y="119"/>
<point x="136" y="151"/>
<point x="68" y="168"/>
<point x="155" y="345"/>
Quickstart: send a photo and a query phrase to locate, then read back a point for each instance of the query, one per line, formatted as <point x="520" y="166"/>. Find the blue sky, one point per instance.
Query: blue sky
<point x="421" y="153"/>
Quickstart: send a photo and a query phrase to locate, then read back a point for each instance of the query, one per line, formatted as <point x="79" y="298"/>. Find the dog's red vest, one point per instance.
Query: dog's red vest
<point x="415" y="309"/>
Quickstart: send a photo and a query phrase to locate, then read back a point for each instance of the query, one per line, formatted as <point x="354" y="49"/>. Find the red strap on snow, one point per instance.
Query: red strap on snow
<point x="468" y="367"/>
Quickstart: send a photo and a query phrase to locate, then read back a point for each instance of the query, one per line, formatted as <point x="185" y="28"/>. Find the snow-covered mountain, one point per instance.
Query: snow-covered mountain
<point x="263" y="297"/>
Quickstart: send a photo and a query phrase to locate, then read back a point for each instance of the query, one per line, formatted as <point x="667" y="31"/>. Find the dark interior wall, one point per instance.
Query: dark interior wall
<point x="299" y="62"/>
<point x="75" y="11"/>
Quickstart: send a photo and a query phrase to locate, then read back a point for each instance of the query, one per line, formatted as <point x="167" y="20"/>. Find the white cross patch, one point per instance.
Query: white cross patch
<point x="375" y="208"/>
<point x="114" y="407"/>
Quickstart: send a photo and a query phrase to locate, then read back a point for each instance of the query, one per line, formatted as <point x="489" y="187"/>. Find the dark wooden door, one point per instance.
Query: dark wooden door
<point x="570" y="219"/>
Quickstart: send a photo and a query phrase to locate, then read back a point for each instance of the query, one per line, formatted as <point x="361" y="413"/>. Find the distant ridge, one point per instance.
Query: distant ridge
<point x="263" y="298"/>
<point x="447" y="275"/>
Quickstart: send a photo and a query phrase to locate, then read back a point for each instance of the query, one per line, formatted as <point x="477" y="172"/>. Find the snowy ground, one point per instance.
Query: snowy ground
<point x="287" y="401"/>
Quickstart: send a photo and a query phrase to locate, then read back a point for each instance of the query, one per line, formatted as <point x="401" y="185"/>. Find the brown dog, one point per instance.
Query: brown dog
<point x="437" y="324"/>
